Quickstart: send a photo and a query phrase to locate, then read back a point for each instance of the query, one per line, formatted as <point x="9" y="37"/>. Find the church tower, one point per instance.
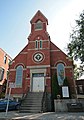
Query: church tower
<point x="38" y="58"/>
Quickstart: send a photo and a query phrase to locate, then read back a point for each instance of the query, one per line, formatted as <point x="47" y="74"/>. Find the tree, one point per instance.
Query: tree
<point x="55" y="86"/>
<point x="76" y="46"/>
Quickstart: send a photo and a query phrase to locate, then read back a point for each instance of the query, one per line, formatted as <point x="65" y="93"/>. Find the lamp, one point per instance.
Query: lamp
<point x="47" y="74"/>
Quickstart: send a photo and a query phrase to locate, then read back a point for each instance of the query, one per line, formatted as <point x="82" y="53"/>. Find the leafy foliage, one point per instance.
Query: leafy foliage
<point x="76" y="45"/>
<point x="56" y="89"/>
<point x="55" y="86"/>
<point x="65" y="82"/>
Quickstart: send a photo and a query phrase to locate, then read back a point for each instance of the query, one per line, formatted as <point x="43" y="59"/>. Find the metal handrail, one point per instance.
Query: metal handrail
<point x="25" y="94"/>
<point x="44" y="100"/>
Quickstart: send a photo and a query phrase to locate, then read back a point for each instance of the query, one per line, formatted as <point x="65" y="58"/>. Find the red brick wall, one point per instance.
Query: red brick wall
<point x="52" y="56"/>
<point x="4" y="66"/>
<point x="57" y="56"/>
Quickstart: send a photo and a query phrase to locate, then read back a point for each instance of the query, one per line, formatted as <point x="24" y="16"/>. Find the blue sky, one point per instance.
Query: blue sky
<point x="15" y="16"/>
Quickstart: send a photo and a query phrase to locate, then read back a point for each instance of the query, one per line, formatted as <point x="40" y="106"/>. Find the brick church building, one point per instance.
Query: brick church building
<point x="32" y="69"/>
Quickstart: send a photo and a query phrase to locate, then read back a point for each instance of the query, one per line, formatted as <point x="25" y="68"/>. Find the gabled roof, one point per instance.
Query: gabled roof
<point x="38" y="16"/>
<point x="54" y="47"/>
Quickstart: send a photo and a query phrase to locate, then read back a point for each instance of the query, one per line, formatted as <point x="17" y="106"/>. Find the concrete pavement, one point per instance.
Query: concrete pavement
<point x="15" y="115"/>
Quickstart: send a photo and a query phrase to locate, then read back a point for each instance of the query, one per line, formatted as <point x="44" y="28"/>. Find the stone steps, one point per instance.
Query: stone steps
<point x="32" y="102"/>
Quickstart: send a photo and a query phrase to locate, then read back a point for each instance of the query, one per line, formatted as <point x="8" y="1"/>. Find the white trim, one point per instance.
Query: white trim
<point x="12" y="70"/>
<point x="21" y="64"/>
<point x="69" y="59"/>
<point x="37" y="61"/>
<point x="24" y="53"/>
<point x="38" y="29"/>
<point x="53" y="67"/>
<point x="17" y="95"/>
<point x="80" y="96"/>
<point x="2" y="67"/>
<point x="39" y="49"/>
<point x="48" y="77"/>
<point x="15" y="69"/>
<point x="40" y="66"/>
<point x="12" y="62"/>
<point x="36" y="72"/>
<point x="54" y="50"/>
<point x="60" y="61"/>
<point x="28" y="78"/>
<point x="31" y="41"/>
<point x="64" y="67"/>
<point x="41" y="21"/>
<point x="68" y="66"/>
<point x="38" y="40"/>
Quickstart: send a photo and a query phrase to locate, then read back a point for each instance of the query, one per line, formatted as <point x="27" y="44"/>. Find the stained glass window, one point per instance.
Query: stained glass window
<point x="40" y="43"/>
<point x="60" y="73"/>
<point x="38" y="25"/>
<point x="19" y="75"/>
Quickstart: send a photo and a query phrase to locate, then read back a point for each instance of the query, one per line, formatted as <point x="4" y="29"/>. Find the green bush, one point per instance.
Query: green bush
<point x="2" y="95"/>
<point x="55" y="86"/>
<point x="56" y="89"/>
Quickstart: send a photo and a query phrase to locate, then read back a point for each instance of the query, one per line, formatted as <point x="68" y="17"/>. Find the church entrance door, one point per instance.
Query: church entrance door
<point x="38" y="82"/>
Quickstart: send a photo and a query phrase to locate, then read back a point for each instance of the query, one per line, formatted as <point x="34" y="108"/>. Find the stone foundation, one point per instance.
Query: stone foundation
<point x="61" y="104"/>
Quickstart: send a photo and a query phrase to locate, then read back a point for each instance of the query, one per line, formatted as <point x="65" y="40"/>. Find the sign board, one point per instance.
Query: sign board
<point x="11" y="85"/>
<point x="65" y="91"/>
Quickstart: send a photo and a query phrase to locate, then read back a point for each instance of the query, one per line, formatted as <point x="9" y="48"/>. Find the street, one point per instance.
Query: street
<point x="15" y="115"/>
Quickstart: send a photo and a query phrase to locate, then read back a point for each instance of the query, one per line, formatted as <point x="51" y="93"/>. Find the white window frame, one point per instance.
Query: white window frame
<point x="37" y="24"/>
<point x="19" y="76"/>
<point x="40" y="42"/>
<point x="36" y="44"/>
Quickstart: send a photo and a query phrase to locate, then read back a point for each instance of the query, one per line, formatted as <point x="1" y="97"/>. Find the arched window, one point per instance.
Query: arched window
<point x="60" y="73"/>
<point x="36" y="44"/>
<point x="1" y="73"/>
<point x="38" y="25"/>
<point x="19" y="75"/>
<point x="40" y="43"/>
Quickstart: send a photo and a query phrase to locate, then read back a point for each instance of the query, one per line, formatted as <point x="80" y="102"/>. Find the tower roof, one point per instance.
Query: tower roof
<point x="39" y="16"/>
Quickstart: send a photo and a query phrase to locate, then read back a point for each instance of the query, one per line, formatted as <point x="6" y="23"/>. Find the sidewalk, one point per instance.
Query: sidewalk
<point x="15" y="115"/>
